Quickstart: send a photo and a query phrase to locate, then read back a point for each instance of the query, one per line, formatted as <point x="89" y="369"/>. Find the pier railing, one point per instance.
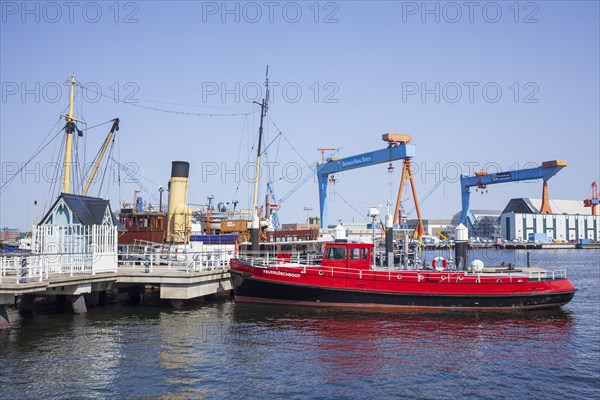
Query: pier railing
<point x="190" y="261"/>
<point x="32" y="267"/>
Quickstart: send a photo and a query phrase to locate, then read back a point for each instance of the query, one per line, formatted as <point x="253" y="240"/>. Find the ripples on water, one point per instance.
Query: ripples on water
<point x="228" y="350"/>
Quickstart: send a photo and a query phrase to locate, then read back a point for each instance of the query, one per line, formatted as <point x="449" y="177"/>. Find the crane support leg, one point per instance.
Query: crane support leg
<point x="419" y="227"/>
<point x="400" y="190"/>
<point x="545" y="209"/>
<point x="323" y="199"/>
<point x="466" y="204"/>
<point x="407" y="174"/>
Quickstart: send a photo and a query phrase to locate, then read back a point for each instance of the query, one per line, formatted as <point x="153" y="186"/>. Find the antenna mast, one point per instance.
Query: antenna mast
<point x="263" y="113"/>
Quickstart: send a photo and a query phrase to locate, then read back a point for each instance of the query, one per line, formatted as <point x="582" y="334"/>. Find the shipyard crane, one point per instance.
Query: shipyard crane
<point x="593" y="199"/>
<point x="399" y="148"/>
<point x="482" y="179"/>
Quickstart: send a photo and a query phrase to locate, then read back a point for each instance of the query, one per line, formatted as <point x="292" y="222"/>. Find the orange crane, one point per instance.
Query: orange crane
<point x="395" y="139"/>
<point x="593" y="200"/>
<point x="323" y="150"/>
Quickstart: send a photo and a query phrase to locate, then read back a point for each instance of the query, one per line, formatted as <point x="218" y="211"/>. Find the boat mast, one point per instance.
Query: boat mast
<point x="69" y="129"/>
<point x="263" y="113"/>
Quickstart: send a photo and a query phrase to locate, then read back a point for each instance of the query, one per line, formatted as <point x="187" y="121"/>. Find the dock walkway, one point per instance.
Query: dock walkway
<point x="179" y="277"/>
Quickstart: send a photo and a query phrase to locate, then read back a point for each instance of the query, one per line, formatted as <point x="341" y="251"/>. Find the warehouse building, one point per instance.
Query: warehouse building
<point x="570" y="221"/>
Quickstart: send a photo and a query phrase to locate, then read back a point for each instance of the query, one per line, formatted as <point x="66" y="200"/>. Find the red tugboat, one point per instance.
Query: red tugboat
<point x="348" y="274"/>
<point x="347" y="277"/>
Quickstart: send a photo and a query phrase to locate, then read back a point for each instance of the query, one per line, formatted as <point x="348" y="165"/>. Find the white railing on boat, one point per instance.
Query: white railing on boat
<point x="542" y="274"/>
<point x="306" y="263"/>
<point x="297" y="259"/>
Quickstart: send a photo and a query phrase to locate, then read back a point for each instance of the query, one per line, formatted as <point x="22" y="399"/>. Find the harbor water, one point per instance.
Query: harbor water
<point x="221" y="349"/>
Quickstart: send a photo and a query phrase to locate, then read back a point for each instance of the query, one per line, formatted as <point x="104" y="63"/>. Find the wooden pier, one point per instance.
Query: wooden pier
<point x="180" y="276"/>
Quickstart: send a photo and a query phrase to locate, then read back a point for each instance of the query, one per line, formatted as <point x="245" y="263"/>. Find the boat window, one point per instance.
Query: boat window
<point x="354" y="253"/>
<point x="365" y="254"/>
<point x="336" y="253"/>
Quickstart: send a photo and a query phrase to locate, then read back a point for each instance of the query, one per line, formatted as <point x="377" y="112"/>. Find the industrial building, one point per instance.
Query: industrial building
<point x="481" y="223"/>
<point x="569" y="221"/>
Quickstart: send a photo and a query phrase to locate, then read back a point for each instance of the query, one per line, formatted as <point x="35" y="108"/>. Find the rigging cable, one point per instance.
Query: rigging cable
<point x="244" y="128"/>
<point x="56" y="172"/>
<point x="190" y="105"/>
<point x="38" y="151"/>
<point x="336" y="194"/>
<point x="52" y="190"/>
<point x="79" y="110"/>
<point x="272" y="141"/>
<point x="119" y="171"/>
<point x="290" y="143"/>
<point x="165" y="110"/>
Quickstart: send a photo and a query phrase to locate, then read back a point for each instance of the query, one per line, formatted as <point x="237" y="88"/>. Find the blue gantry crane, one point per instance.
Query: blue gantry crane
<point x="482" y="179"/>
<point x="399" y="148"/>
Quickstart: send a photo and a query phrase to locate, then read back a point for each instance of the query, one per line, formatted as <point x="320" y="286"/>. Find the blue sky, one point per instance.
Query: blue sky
<point x="499" y="85"/>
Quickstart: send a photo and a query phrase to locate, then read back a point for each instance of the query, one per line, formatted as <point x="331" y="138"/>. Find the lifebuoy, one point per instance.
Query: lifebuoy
<point x="439" y="263"/>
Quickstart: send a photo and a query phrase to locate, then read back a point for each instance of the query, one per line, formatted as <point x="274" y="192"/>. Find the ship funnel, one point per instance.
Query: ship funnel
<point x="179" y="219"/>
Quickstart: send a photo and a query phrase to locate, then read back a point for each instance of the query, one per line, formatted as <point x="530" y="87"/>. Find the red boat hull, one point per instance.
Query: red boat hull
<point x="395" y="289"/>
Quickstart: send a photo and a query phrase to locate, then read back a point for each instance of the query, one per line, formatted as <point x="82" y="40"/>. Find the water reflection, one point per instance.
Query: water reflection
<point x="224" y="349"/>
<point x="35" y="349"/>
<point x="346" y="345"/>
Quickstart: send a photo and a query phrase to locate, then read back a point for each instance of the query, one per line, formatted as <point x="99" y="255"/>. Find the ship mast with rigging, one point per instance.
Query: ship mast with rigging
<point x="70" y="127"/>
<point x="255" y="227"/>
